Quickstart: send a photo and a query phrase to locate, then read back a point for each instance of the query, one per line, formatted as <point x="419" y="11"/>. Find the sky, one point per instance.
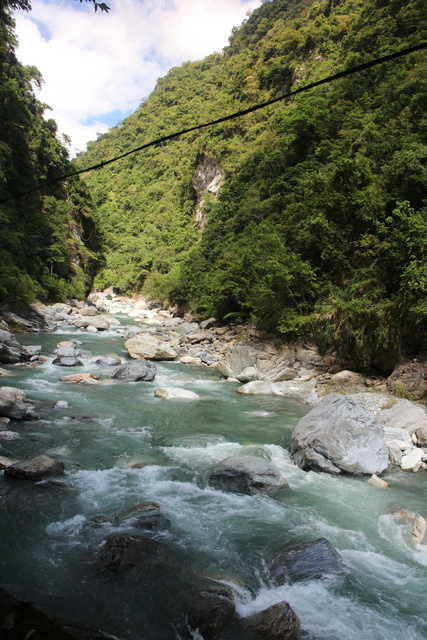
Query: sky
<point x="98" y="67"/>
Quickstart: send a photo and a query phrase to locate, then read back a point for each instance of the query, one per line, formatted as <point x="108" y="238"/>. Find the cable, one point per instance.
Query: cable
<point x="237" y="114"/>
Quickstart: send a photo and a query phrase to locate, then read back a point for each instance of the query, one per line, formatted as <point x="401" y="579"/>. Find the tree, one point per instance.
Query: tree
<point x="25" y="5"/>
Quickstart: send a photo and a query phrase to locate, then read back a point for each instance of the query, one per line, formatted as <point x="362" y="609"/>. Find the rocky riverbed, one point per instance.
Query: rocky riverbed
<point x="353" y="426"/>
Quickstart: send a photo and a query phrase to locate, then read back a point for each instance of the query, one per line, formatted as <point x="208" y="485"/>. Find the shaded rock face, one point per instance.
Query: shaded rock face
<point x="35" y="468"/>
<point x="139" y="370"/>
<point x="409" y="379"/>
<point x="278" y="622"/>
<point x="132" y="555"/>
<point x="308" y="560"/>
<point x="339" y="435"/>
<point x="209" y="610"/>
<point x="13" y="409"/>
<point x="246" y="474"/>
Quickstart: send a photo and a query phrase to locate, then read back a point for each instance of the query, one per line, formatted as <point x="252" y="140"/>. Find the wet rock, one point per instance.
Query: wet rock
<point x="308" y="560"/>
<point x="132" y="555"/>
<point x="15" y="409"/>
<point x="340" y="432"/>
<point x="246" y="474"/>
<point x="80" y="378"/>
<point x="209" y="610"/>
<point x="278" y="622"/>
<point x="414" y="524"/>
<point x="145" y="516"/>
<point x="175" y="393"/>
<point x="61" y="404"/>
<point x="375" y="481"/>
<point x="13" y="393"/>
<point x="139" y="370"/>
<point x="66" y="349"/>
<point x="4" y="451"/>
<point x="67" y="361"/>
<point x="147" y="346"/>
<point x="109" y="360"/>
<point x="35" y="468"/>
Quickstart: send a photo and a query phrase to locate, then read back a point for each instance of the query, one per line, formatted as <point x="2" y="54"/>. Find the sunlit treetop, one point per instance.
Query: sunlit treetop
<point x="25" y="5"/>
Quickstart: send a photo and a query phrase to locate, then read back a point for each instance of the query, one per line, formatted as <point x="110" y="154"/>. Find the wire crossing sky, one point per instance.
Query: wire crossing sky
<point x="237" y="114"/>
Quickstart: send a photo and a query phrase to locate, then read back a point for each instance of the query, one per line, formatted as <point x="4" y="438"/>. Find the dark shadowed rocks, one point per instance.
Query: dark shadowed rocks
<point x="137" y="371"/>
<point x="35" y="468"/>
<point x="278" y="622"/>
<point x="246" y="474"/>
<point x="305" y="561"/>
<point x="131" y="555"/>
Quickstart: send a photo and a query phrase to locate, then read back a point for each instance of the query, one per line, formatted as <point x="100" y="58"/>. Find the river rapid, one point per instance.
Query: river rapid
<point x="122" y="446"/>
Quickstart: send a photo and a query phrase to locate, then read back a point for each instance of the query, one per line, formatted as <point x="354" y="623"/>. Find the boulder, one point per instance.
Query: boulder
<point x="67" y="361"/>
<point x="35" y="468"/>
<point x="278" y="622"/>
<point x="145" y="345"/>
<point x="246" y="474"/>
<point x="109" y="360"/>
<point x="409" y="379"/>
<point x="403" y="415"/>
<point x="88" y="311"/>
<point x="341" y="433"/>
<point x="377" y="482"/>
<point x="307" y="560"/>
<point x="80" y="378"/>
<point x="13" y="393"/>
<point x="61" y="404"/>
<point x="14" y="409"/>
<point x="185" y="328"/>
<point x="6" y="462"/>
<point x="347" y="378"/>
<point x="235" y="361"/>
<point x="144" y="516"/>
<point x="258" y="387"/>
<point x="175" y="393"/>
<point x="412" y="460"/>
<point x="132" y="555"/>
<point x="190" y="360"/>
<point x="209" y="610"/>
<point x="139" y="370"/>
<point x="10" y="349"/>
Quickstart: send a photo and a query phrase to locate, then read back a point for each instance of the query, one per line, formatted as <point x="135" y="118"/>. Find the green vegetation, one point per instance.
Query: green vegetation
<point x="49" y="243"/>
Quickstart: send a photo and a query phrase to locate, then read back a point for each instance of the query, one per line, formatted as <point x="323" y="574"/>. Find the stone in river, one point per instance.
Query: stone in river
<point x="175" y="393"/>
<point x="67" y="361"/>
<point x="145" y="345"/>
<point x="340" y="435"/>
<point x="278" y="622"/>
<point x="305" y="561"/>
<point x="109" y="360"/>
<point x="80" y="378"/>
<point x="35" y="468"/>
<point x="132" y="555"/>
<point x="209" y="610"/>
<point x="138" y="370"/>
<point x="246" y="474"/>
<point x="14" y="409"/>
<point x="145" y="516"/>
<point x="61" y="404"/>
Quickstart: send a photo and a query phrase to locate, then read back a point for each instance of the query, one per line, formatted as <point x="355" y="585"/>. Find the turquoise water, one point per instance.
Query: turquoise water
<point x="49" y="544"/>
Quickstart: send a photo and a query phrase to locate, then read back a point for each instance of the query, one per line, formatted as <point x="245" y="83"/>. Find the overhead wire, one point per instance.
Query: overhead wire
<point x="232" y="116"/>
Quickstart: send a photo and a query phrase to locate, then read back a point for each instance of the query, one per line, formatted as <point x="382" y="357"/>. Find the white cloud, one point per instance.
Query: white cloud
<point x="98" y="67"/>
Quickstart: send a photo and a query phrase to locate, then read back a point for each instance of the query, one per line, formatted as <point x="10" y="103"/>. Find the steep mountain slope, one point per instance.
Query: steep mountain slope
<point x="49" y="241"/>
<point x="309" y="215"/>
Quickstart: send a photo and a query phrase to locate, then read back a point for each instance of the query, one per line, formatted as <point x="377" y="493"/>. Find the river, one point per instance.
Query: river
<point x="121" y="447"/>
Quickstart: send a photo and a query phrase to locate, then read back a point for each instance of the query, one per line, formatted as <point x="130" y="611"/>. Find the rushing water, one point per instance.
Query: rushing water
<point x="49" y="544"/>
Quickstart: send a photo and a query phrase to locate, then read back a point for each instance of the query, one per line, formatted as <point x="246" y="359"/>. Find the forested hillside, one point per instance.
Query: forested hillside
<point x="317" y="219"/>
<point x="49" y="240"/>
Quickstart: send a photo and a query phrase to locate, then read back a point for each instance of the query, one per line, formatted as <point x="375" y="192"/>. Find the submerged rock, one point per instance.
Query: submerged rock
<point x="35" y="468"/>
<point x="209" y="610"/>
<point x="132" y="555"/>
<point x="246" y="474"/>
<point x="278" y="622"/>
<point x="145" y="516"/>
<point x="139" y="370"/>
<point x="339" y="435"/>
<point x="175" y="393"/>
<point x="305" y="561"/>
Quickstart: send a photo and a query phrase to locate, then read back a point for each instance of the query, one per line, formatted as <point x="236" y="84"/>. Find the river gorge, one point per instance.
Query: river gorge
<point x="122" y="447"/>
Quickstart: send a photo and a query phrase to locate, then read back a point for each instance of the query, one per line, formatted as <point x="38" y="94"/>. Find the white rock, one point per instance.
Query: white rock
<point x="175" y="393"/>
<point x="419" y="530"/>
<point x="375" y="481"/>
<point x="412" y="460"/>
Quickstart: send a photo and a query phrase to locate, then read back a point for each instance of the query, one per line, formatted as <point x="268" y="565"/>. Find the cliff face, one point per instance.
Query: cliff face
<point x="307" y="216"/>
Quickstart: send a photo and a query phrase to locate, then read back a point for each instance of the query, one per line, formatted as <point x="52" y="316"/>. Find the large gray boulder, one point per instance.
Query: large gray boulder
<point x="13" y="407"/>
<point x="307" y="560"/>
<point x="246" y="474"/>
<point x="139" y="370"/>
<point x="10" y="349"/>
<point x="235" y="361"/>
<point x="35" y="468"/>
<point x="278" y="622"/>
<point x="340" y="435"/>
<point x="147" y="346"/>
